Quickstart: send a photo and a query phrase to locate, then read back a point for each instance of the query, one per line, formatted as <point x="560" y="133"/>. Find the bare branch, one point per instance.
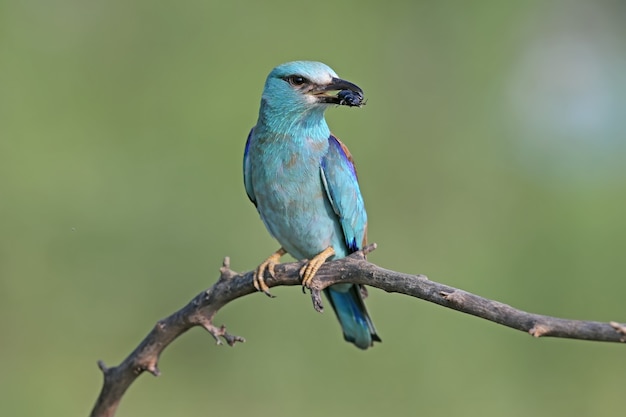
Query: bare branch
<point x="354" y="269"/>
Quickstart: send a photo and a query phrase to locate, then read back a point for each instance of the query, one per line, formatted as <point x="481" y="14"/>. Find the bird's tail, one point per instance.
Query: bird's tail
<point x="347" y="301"/>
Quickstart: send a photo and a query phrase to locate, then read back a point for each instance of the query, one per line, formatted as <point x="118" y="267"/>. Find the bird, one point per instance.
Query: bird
<point x="304" y="184"/>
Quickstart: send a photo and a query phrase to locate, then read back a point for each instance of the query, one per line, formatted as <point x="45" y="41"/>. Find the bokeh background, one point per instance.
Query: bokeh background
<point x="492" y="157"/>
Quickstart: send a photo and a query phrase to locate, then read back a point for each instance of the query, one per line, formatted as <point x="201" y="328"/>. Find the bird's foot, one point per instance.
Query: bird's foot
<point x="269" y="264"/>
<point x="308" y="271"/>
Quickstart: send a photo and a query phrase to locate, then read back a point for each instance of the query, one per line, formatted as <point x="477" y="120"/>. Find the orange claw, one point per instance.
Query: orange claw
<point x="269" y="264"/>
<point x="308" y="271"/>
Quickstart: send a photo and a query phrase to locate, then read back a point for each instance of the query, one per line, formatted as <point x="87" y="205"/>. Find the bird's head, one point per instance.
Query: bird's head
<point x="302" y="86"/>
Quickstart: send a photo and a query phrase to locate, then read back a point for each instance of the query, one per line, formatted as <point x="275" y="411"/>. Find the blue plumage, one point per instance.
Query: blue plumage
<point x="303" y="182"/>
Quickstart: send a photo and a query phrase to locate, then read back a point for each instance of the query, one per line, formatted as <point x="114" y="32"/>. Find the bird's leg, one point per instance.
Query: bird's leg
<point x="269" y="264"/>
<point x="308" y="271"/>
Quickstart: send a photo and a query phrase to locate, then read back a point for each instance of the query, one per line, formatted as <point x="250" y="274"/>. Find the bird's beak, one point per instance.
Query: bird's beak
<point x="348" y="94"/>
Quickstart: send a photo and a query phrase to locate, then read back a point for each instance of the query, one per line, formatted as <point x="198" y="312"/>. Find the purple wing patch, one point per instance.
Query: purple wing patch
<point x="342" y="188"/>
<point x="344" y="152"/>
<point x="246" y="173"/>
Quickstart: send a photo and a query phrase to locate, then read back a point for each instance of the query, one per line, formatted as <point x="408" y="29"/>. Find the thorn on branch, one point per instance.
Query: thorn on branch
<point x="539" y="330"/>
<point x="103" y="367"/>
<point x="225" y="271"/>
<point x="620" y="328"/>
<point x="364" y="292"/>
<point x="316" y="297"/>
<point x="220" y="332"/>
<point x="232" y="339"/>
<point x="453" y="297"/>
<point x="369" y="248"/>
<point x="152" y="367"/>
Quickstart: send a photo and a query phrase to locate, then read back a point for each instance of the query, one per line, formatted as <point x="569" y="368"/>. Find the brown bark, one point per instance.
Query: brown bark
<point x="201" y="310"/>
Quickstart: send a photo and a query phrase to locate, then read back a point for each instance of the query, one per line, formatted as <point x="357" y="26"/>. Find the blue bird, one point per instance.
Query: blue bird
<point x="303" y="182"/>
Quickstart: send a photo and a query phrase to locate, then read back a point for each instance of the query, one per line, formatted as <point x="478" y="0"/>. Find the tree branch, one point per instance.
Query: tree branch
<point x="353" y="269"/>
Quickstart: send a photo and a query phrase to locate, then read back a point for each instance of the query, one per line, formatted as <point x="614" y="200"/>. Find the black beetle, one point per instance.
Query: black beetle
<point x="350" y="98"/>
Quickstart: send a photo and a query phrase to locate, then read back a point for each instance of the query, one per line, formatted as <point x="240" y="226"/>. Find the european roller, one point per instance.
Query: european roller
<point x="303" y="182"/>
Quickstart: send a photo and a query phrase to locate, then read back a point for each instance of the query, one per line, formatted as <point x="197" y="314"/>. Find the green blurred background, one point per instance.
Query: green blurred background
<point x="491" y="155"/>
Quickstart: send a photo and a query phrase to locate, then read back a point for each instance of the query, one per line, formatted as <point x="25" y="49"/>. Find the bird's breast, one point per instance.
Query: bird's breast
<point x="291" y="198"/>
<point x="286" y="180"/>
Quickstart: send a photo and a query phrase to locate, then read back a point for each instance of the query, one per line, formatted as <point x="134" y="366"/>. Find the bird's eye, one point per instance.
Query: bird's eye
<point x="296" y="80"/>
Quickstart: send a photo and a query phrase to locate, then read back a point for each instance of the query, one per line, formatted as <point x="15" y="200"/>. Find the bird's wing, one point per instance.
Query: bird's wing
<point x="246" y="170"/>
<point x="342" y="188"/>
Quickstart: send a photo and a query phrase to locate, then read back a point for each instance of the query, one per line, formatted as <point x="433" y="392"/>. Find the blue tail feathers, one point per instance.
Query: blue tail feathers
<point x="350" y="309"/>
